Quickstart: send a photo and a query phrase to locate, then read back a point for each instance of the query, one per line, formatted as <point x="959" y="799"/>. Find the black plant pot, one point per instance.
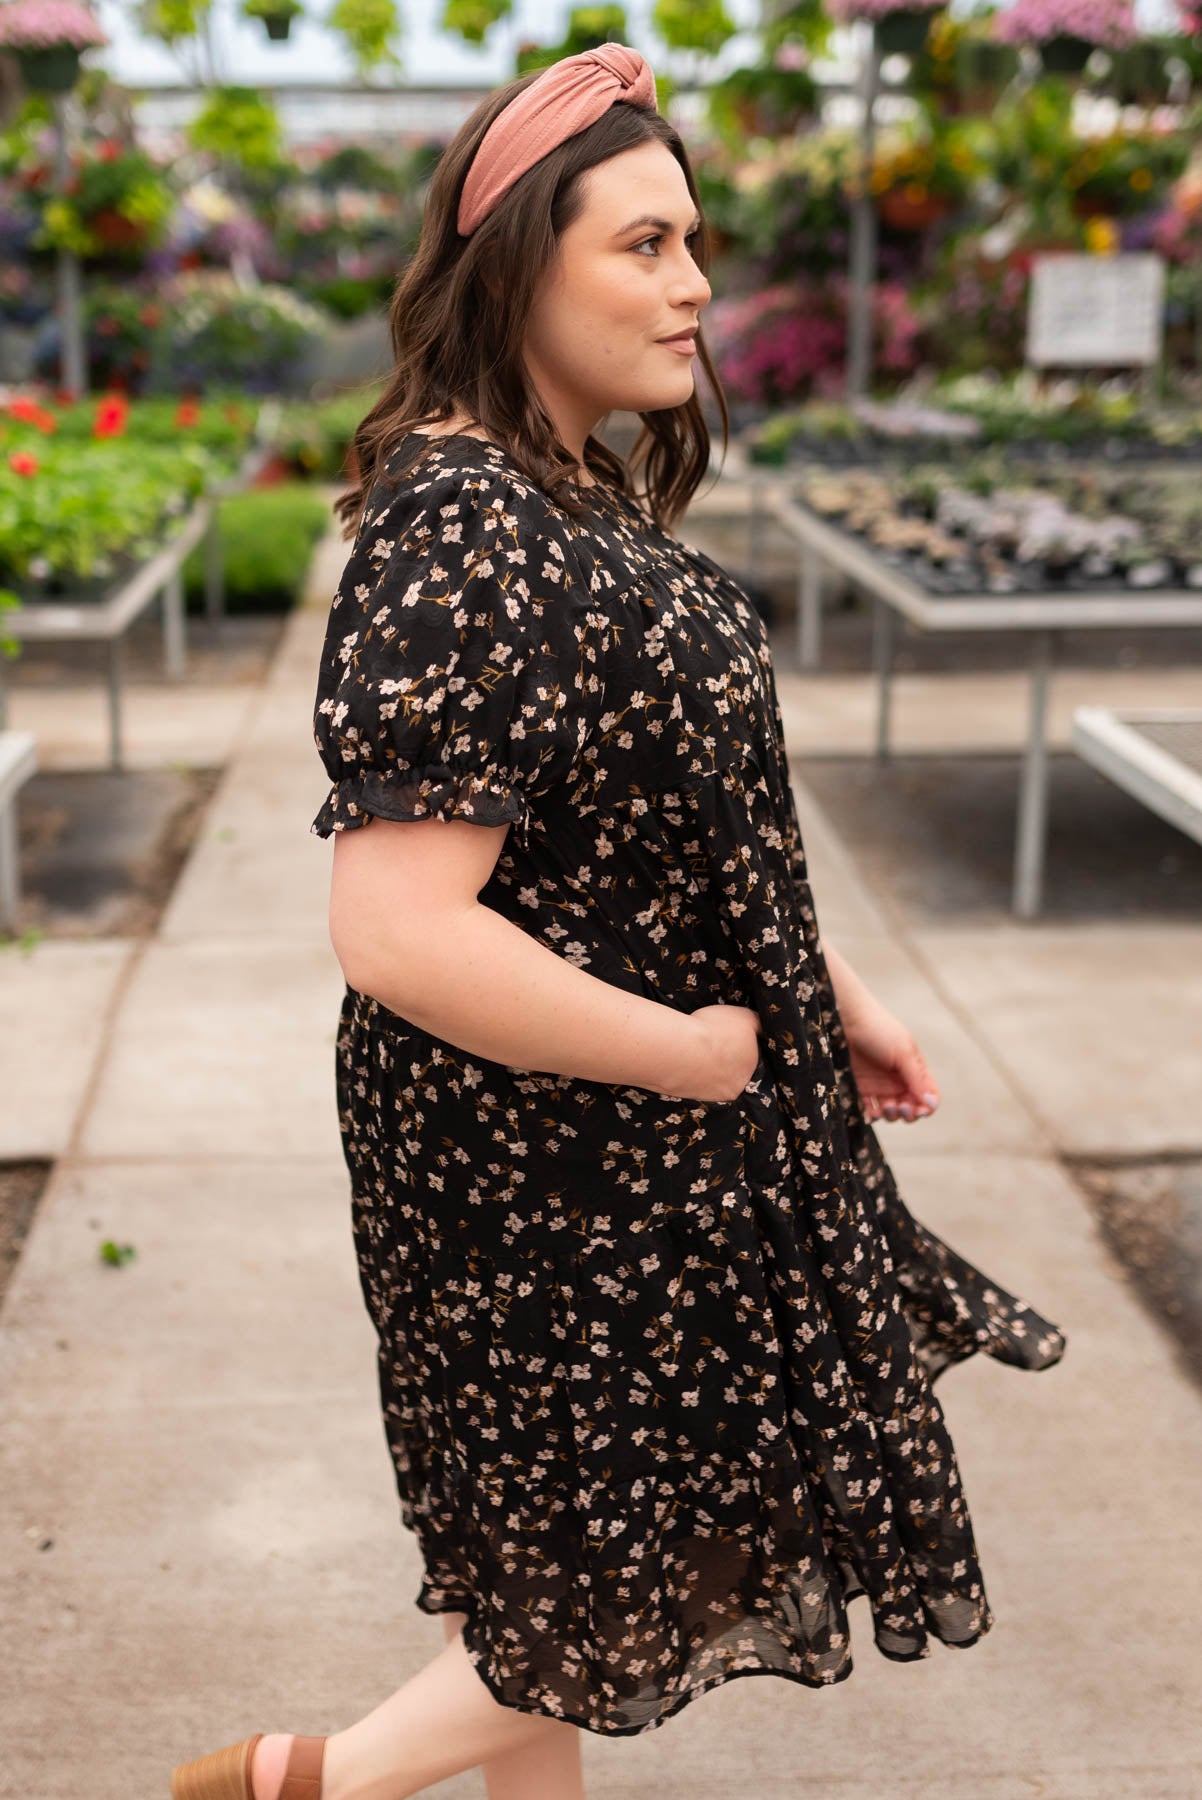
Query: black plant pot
<point x="903" y="33"/>
<point x="1065" y="54"/>
<point x="52" y="70"/>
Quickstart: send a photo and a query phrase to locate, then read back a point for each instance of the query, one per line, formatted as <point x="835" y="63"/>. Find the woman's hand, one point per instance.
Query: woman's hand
<point x="889" y="1068"/>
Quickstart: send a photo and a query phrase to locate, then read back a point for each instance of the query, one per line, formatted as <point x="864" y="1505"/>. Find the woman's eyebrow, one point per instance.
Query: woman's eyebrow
<point x="660" y="224"/>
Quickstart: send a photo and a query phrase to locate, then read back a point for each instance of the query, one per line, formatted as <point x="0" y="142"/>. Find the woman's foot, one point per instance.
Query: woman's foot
<point x="268" y="1765"/>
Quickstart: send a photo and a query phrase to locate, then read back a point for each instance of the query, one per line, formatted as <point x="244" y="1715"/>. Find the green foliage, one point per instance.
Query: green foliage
<point x="116" y="1254"/>
<point x="703" y="25"/>
<point x="267" y="538"/>
<point x="804" y="22"/>
<point x="272" y="9"/>
<point x="761" y="101"/>
<point x="472" y="20"/>
<point x="237" y="125"/>
<point x="314" y="438"/>
<point x="349" y="296"/>
<point x="369" y="27"/>
<point x="91" y="510"/>
<point x="174" y="21"/>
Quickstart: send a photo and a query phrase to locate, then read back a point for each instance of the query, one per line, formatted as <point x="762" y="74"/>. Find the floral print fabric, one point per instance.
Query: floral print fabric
<point x="656" y="1374"/>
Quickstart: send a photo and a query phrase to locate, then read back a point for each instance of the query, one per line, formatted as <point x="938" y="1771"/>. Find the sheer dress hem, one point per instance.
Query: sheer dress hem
<point x="479" y="1648"/>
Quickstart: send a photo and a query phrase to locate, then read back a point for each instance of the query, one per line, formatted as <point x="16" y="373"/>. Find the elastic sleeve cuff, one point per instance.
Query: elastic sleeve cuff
<point x="433" y="791"/>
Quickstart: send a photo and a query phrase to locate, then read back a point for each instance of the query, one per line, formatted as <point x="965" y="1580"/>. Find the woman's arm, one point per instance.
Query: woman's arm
<point x="890" y="1070"/>
<point x="850" y="992"/>
<point x="408" y="929"/>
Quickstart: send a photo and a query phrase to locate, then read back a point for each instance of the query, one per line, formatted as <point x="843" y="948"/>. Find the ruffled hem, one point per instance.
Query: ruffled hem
<point x="747" y="1643"/>
<point x="428" y="791"/>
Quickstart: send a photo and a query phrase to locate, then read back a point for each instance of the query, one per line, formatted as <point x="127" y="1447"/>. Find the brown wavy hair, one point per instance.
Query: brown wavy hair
<point x="457" y="321"/>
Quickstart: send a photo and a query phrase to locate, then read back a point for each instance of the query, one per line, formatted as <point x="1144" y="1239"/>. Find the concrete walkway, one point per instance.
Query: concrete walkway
<point x="201" y="1535"/>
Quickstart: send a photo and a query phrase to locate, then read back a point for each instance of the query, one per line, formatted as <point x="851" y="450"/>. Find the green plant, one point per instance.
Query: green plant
<point x="267" y="537"/>
<point x="369" y="27"/>
<point x="315" y="438"/>
<point x="272" y="9"/>
<point x="472" y="20"/>
<point x="238" y="126"/>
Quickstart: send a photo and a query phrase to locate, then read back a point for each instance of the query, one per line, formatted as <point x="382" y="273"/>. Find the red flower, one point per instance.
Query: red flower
<point x="22" y="463"/>
<point x="150" y="315"/>
<point x="109" y="151"/>
<point x="30" y="413"/>
<point x="187" y="413"/>
<point x="111" y="415"/>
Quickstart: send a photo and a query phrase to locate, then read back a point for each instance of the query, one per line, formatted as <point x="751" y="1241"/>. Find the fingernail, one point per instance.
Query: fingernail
<point x="931" y="1099"/>
<point x="907" y="1111"/>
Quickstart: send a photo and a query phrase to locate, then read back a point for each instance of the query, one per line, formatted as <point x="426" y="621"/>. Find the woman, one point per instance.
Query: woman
<point x="656" y="1331"/>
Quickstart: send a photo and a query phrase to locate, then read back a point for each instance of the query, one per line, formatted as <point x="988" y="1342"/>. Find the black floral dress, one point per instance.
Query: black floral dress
<point x="656" y="1374"/>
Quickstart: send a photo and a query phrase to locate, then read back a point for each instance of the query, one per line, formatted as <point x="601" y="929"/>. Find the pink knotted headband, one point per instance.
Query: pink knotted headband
<point x="566" y="98"/>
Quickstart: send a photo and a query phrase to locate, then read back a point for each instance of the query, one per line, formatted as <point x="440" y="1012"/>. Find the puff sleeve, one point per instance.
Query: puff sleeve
<point x="461" y="673"/>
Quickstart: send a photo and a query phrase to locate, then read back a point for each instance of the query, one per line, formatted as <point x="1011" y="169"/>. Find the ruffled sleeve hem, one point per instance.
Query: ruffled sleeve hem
<point x="431" y="791"/>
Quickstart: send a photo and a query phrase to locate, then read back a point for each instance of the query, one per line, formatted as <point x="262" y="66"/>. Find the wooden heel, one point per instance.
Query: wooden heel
<point x="222" y="1775"/>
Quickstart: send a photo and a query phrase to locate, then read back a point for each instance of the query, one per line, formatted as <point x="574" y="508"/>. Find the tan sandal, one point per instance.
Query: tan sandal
<point x="225" y="1774"/>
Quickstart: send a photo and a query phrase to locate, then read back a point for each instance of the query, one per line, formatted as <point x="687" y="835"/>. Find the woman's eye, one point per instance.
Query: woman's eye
<point x="659" y="238"/>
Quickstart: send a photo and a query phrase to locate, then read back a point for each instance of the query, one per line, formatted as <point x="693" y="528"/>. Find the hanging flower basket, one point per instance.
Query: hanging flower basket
<point x="1065" y="54"/>
<point x="902" y="32"/>
<point x="900" y="29"/>
<point x="47" y="39"/>
<point x="1066" y="32"/>
<point x="277" y="15"/>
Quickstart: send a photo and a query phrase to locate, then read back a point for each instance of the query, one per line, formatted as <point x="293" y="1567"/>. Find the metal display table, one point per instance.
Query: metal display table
<point x="1043" y="617"/>
<point x="1154" y="753"/>
<point x="18" y="761"/>
<point x="106" y="621"/>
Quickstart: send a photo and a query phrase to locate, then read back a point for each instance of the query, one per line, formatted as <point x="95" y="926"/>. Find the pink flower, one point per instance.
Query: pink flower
<point x="1110" y="23"/>
<point x="44" y="24"/>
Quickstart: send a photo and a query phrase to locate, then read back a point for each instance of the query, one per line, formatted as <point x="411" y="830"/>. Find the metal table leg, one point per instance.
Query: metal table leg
<point x="214" y="571"/>
<point x="115" y="703"/>
<point x="174" y="650"/>
<point x="883" y="635"/>
<point x="755" y="528"/>
<point x="9" y="886"/>
<point x="809" y="609"/>
<point x="1031" y="832"/>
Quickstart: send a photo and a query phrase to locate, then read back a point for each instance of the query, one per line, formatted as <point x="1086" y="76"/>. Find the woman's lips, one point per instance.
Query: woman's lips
<point x="687" y="344"/>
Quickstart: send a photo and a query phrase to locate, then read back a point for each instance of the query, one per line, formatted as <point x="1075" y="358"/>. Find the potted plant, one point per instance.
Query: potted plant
<point x="918" y="179"/>
<point x="116" y="200"/>
<point x="770" y="101"/>
<point x="47" y="38"/>
<point x="277" y="15"/>
<point x="900" y="26"/>
<point x="1067" y="32"/>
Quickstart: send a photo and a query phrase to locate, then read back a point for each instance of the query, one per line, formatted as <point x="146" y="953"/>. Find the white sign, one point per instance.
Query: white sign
<point x="1095" y="311"/>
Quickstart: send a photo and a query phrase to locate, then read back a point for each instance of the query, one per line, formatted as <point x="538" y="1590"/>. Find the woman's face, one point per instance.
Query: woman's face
<point x="618" y="287"/>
